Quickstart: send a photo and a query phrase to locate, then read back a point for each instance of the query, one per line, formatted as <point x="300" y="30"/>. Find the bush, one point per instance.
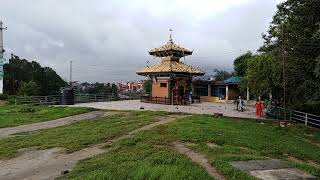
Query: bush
<point x="28" y="89"/>
<point x="4" y="97"/>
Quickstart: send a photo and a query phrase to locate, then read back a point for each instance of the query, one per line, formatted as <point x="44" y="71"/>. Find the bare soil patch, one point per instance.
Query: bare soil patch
<point x="199" y="159"/>
<point x="51" y="163"/>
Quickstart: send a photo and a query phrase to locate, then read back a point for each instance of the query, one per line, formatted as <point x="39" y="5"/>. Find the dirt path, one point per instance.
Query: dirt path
<point x="199" y="159"/>
<point x="5" y="132"/>
<point x="49" y="163"/>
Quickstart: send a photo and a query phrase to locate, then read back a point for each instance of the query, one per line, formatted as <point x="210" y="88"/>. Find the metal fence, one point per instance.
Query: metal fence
<point x="57" y="99"/>
<point x="156" y="100"/>
<point x="292" y="115"/>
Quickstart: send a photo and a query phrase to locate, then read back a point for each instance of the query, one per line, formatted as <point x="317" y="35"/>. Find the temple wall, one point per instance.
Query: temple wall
<point x="157" y="90"/>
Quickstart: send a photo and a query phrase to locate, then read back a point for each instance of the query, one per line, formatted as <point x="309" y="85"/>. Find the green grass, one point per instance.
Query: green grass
<point x="14" y="115"/>
<point x="78" y="135"/>
<point x="247" y="140"/>
<point x="150" y="154"/>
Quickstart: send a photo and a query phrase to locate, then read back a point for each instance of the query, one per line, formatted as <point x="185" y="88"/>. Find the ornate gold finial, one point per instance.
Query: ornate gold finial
<point x="170" y="37"/>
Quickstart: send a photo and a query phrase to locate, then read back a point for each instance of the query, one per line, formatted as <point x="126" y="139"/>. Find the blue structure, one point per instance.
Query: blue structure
<point x="232" y="80"/>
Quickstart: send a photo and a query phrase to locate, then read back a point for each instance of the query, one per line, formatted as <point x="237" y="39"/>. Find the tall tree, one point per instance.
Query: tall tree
<point x="241" y="64"/>
<point x="293" y="42"/>
<point x="19" y="71"/>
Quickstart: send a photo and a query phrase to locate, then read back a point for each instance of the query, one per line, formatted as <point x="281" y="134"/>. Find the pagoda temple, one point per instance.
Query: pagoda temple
<point x="171" y="78"/>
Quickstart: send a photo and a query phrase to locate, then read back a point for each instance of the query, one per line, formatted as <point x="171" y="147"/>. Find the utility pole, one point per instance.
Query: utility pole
<point x="70" y="73"/>
<point x="2" y="60"/>
<point x="284" y="72"/>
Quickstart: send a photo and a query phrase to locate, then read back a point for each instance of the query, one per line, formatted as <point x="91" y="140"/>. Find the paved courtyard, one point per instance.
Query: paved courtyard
<point x="227" y="109"/>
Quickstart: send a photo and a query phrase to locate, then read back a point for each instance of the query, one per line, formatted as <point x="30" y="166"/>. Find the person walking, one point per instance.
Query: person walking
<point x="240" y="104"/>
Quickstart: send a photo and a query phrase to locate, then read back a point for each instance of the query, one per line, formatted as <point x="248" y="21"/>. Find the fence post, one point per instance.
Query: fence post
<point x="290" y="115"/>
<point x="306" y="120"/>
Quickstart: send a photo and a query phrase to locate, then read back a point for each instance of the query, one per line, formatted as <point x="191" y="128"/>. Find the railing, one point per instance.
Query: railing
<point x="83" y="98"/>
<point x="39" y="100"/>
<point x="57" y="99"/>
<point x="156" y="100"/>
<point x="164" y="100"/>
<point x="292" y="115"/>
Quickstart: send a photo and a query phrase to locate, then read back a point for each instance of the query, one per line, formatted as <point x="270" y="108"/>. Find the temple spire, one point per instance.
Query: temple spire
<point x="170" y="37"/>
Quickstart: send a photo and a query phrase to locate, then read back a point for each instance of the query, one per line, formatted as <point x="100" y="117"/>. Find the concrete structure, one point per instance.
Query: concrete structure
<point x="171" y="78"/>
<point x="216" y="91"/>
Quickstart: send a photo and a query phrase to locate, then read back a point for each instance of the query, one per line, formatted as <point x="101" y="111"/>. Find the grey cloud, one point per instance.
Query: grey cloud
<point x="109" y="40"/>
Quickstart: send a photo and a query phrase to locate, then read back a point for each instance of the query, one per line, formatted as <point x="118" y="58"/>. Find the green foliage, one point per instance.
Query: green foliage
<point x="293" y="37"/>
<point x="147" y="86"/>
<point x="12" y="115"/>
<point x="262" y="76"/>
<point x="28" y="89"/>
<point x="317" y="69"/>
<point x="241" y="64"/>
<point x="18" y="71"/>
<point x="221" y="75"/>
<point x="4" y="97"/>
<point x="291" y="42"/>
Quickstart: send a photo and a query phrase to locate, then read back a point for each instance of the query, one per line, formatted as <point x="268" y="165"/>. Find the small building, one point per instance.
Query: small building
<point x="216" y="91"/>
<point x="171" y="78"/>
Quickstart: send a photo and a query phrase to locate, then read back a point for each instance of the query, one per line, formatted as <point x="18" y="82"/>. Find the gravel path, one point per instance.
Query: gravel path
<point x="5" y="132"/>
<point x="226" y="109"/>
<point x="51" y="163"/>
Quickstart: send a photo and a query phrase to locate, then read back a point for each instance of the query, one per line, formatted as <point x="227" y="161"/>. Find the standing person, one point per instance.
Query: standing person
<point x="190" y="97"/>
<point x="240" y="104"/>
<point x="259" y="108"/>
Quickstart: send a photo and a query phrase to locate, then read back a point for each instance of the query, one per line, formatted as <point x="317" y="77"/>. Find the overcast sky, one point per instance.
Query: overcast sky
<point x="108" y="40"/>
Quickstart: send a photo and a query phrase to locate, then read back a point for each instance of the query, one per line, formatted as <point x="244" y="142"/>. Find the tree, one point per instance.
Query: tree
<point x="147" y="86"/>
<point x="28" y="89"/>
<point x="18" y="71"/>
<point x="317" y="69"/>
<point x="221" y="75"/>
<point x="262" y="76"/>
<point x="289" y="57"/>
<point x="241" y="64"/>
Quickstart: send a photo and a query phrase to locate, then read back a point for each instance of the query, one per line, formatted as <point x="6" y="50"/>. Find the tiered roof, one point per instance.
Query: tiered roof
<point x="170" y="53"/>
<point x="167" y="66"/>
<point x="170" y="49"/>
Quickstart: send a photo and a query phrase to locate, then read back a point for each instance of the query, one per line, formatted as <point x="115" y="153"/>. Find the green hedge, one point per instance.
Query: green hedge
<point x="4" y="97"/>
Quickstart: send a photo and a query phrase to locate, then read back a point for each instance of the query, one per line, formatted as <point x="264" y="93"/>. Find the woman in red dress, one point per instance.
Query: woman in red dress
<point x="259" y="109"/>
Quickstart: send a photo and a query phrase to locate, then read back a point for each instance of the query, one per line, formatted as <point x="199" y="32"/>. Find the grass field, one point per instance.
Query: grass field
<point x="78" y="135"/>
<point x="14" y="115"/>
<point x="150" y="154"/>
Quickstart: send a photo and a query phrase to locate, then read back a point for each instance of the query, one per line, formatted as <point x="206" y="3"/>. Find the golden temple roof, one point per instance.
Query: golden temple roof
<point x="170" y="49"/>
<point x="167" y="66"/>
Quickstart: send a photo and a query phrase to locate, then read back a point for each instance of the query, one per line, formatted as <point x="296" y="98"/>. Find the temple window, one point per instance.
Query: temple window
<point x="163" y="85"/>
